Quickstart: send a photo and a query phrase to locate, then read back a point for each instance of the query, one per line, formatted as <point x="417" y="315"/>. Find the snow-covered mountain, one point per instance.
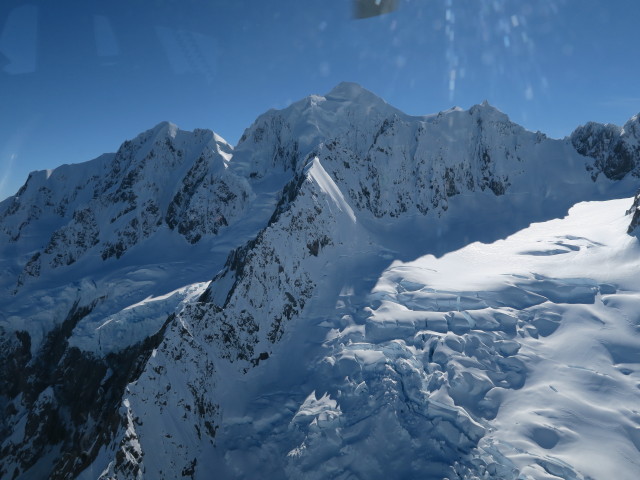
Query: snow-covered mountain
<point x="615" y="149"/>
<point x="350" y="292"/>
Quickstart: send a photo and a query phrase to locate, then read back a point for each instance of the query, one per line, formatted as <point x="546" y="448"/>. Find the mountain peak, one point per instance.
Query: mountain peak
<point x="162" y="132"/>
<point x="299" y="128"/>
<point x="353" y="92"/>
<point x="485" y="106"/>
<point x="347" y="91"/>
<point x="488" y="111"/>
<point x="165" y="128"/>
<point x="632" y="126"/>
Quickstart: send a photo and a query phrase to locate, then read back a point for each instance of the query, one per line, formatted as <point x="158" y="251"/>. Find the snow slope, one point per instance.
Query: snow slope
<point x="555" y="305"/>
<point x="350" y="292"/>
<point x="515" y="359"/>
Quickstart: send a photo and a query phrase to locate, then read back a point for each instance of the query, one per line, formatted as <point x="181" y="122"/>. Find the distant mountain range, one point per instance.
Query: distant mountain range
<point x="350" y="292"/>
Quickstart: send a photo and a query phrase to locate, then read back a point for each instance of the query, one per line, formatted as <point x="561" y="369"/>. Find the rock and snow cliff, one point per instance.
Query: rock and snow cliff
<point x="615" y="149"/>
<point x="185" y="309"/>
<point x="162" y="178"/>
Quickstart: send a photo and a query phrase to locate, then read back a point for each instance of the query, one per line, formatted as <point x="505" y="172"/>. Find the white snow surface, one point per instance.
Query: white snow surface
<point x="318" y="174"/>
<point x="132" y="324"/>
<point x="576" y="415"/>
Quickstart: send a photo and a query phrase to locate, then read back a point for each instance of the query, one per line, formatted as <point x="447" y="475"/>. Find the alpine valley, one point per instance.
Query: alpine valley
<point x="349" y="293"/>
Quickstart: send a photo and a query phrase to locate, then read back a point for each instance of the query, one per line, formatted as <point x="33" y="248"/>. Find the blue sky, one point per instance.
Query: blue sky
<point x="78" y="78"/>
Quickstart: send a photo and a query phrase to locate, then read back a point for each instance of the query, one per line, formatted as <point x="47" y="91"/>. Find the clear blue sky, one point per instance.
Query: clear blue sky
<point x="79" y="77"/>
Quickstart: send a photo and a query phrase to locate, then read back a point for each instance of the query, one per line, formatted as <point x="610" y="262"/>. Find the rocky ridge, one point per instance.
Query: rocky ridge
<point x="615" y="149"/>
<point x="163" y="178"/>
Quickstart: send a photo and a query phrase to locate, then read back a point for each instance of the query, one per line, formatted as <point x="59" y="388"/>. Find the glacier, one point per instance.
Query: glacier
<point x="349" y="292"/>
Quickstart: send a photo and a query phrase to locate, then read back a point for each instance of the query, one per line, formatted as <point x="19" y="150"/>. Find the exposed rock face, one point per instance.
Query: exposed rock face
<point x="407" y="166"/>
<point x="616" y="150"/>
<point x="70" y="399"/>
<point x="269" y="281"/>
<point x="111" y="204"/>
<point x="635" y="212"/>
<point x="120" y="361"/>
